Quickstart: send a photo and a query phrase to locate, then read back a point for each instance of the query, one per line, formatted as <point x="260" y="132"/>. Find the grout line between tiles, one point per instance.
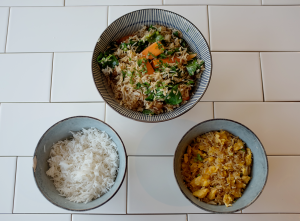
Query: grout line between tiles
<point x="64" y="2"/>
<point x="261" y="75"/>
<point x="51" y="76"/>
<point x="127" y="189"/>
<point x="209" y="43"/>
<point x="7" y="29"/>
<point x="107" y="16"/>
<point x="213" y="110"/>
<point x="15" y="185"/>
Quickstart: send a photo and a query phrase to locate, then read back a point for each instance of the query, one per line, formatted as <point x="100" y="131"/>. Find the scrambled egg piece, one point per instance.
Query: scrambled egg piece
<point x="217" y="167"/>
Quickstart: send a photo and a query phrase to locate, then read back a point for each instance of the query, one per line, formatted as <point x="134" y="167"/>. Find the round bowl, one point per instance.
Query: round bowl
<point x="61" y="131"/>
<point x="259" y="173"/>
<point x="132" y="22"/>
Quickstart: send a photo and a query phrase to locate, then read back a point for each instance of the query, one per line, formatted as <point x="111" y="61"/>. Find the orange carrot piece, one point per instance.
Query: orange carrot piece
<point x="150" y="69"/>
<point x="123" y="39"/>
<point x="171" y="60"/>
<point x="185" y="98"/>
<point x="154" y="49"/>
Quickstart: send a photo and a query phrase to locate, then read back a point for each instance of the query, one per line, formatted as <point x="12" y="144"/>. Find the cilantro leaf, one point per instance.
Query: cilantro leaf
<point x="176" y="33"/>
<point x="150" y="97"/>
<point x="174" y="97"/>
<point x="148" y="112"/>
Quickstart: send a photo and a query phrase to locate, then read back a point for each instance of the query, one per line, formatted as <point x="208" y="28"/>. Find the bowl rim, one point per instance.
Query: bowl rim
<point x="196" y="101"/>
<point x="123" y="178"/>
<point x="265" y="155"/>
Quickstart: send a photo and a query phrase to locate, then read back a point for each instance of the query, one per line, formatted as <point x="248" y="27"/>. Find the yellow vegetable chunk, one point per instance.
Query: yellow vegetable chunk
<point x="201" y="193"/>
<point x="227" y="200"/>
<point x="212" y="169"/>
<point x="201" y="181"/>
<point x="246" y="179"/>
<point x="212" y="194"/>
<point x="189" y="150"/>
<point x="248" y="158"/>
<point x="186" y="158"/>
<point x="237" y="193"/>
<point x="240" y="185"/>
<point x="238" y="145"/>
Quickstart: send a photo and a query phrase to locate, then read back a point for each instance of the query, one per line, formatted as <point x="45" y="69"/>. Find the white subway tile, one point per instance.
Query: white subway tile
<point x="114" y="2"/>
<point x="25" y="123"/>
<point x="196" y="14"/>
<point x="152" y="187"/>
<point x="159" y="138"/>
<point x="35" y="217"/>
<point x="55" y="29"/>
<point x="7" y="184"/>
<point x="212" y="2"/>
<point x="281" y="2"/>
<point x="281" y="194"/>
<point x="4" y="13"/>
<point x="280" y="72"/>
<point x="25" y="77"/>
<point x="255" y="28"/>
<point x="72" y="79"/>
<point x="275" y="124"/>
<point x="129" y="217"/>
<point x="31" y="3"/>
<point x="244" y="217"/>
<point x="236" y="77"/>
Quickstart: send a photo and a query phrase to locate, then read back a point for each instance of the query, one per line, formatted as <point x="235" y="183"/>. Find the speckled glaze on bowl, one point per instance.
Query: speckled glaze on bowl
<point x="133" y="21"/>
<point x="61" y="131"/>
<point x="259" y="173"/>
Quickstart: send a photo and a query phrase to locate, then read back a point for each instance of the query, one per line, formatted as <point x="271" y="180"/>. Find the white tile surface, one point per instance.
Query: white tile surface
<point x="152" y="187"/>
<point x="139" y="139"/>
<point x="281" y="194"/>
<point x="28" y="198"/>
<point x="31" y="3"/>
<point x="281" y="2"/>
<point x="196" y="14"/>
<point x="25" y="77"/>
<point x="7" y="184"/>
<point x="213" y="2"/>
<point x="280" y="72"/>
<point x="236" y="77"/>
<point x="114" y="2"/>
<point x="129" y="217"/>
<point x="244" y="217"/>
<point x="4" y="12"/>
<point x="275" y="124"/>
<point x="30" y="121"/>
<point x="72" y="79"/>
<point x="255" y="28"/>
<point x="55" y="29"/>
<point x="35" y="217"/>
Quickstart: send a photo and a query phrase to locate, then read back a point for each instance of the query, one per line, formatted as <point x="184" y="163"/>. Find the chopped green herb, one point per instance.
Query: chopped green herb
<point x="243" y="150"/>
<point x="193" y="66"/>
<point x="198" y="175"/>
<point x="176" y="33"/>
<point x="146" y="84"/>
<point x="148" y="112"/>
<point x="199" y="158"/>
<point x="150" y="97"/>
<point x="174" y="97"/>
<point x="138" y="85"/>
<point x="190" y="82"/>
<point x="188" y="30"/>
<point x="162" y="55"/>
<point x="139" y="62"/>
<point x="100" y="57"/>
<point x="129" y="59"/>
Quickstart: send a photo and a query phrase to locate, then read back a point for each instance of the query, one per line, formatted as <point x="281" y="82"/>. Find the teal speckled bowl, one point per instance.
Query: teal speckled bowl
<point x="61" y="131"/>
<point x="259" y="173"/>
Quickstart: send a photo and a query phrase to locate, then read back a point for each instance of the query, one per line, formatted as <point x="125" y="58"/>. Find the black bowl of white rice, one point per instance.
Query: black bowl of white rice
<point x="79" y="163"/>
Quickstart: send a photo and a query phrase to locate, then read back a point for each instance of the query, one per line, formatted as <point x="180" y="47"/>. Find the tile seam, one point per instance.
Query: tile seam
<point x="51" y="77"/>
<point x="209" y="35"/>
<point x="261" y="76"/>
<point x="13" y="206"/>
<point x="5" y="49"/>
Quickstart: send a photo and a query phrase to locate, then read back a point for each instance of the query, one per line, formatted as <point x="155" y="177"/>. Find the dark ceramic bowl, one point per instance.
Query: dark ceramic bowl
<point x="131" y="23"/>
<point x="259" y="173"/>
<point x="61" y="131"/>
